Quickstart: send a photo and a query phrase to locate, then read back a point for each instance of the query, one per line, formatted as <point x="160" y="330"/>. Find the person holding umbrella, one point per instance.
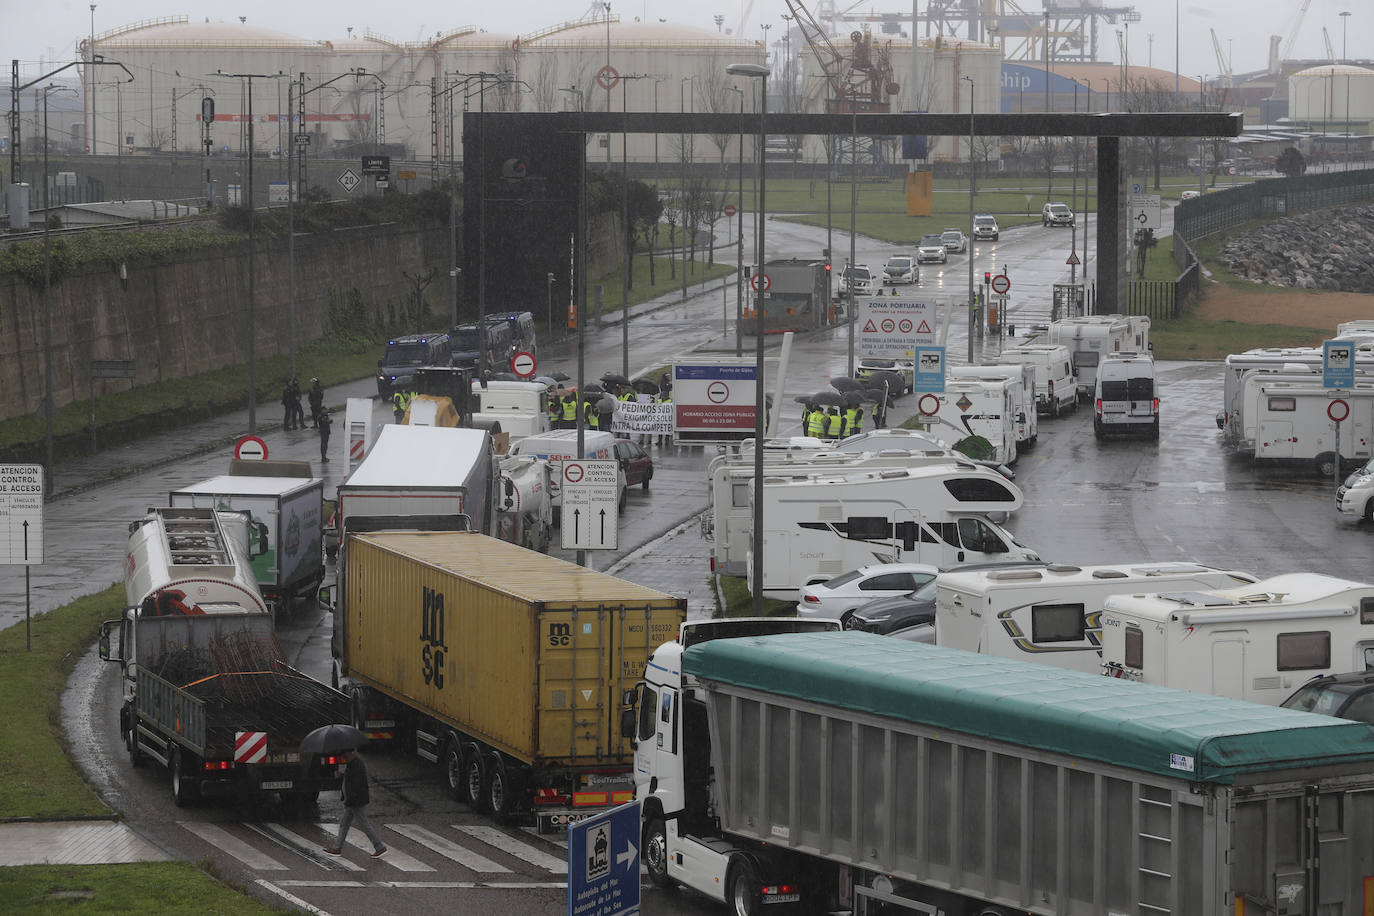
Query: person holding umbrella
<point x="355" y="799"/>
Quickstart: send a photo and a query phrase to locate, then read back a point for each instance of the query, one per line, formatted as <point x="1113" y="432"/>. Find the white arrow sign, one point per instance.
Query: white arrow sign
<point x="627" y="857"/>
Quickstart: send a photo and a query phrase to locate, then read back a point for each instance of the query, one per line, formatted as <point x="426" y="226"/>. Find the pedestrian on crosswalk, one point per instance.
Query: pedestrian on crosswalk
<point x="355" y="799"/>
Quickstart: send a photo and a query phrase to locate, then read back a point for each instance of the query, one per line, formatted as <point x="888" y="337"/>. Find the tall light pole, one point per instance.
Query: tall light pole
<point x="606" y="4"/>
<point x="682" y="185"/>
<point x="48" y="407"/>
<point x="549" y="290"/>
<point x="580" y="280"/>
<point x="91" y="51"/>
<point x="739" y="236"/>
<point x="853" y="225"/>
<point x="1345" y="18"/>
<point x="971" y="310"/>
<point x="759" y="72"/>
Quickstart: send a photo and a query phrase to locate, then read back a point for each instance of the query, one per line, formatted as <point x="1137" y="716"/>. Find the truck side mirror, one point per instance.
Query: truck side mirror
<point x="326" y="597"/>
<point x="105" y="641"/>
<point x="379" y="364"/>
<point x="628" y="720"/>
<point x="260" y="529"/>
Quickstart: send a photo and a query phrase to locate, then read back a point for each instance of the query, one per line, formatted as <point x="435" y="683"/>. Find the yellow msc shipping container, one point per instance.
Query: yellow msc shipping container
<point x="505" y="665"/>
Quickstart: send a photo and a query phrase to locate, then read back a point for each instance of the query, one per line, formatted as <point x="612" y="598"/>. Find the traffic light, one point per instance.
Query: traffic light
<point x="987" y="276"/>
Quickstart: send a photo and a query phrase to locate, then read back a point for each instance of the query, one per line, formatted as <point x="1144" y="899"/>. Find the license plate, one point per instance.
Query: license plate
<point x="782" y="898"/>
<point x="277" y="784"/>
<point x="555" y="823"/>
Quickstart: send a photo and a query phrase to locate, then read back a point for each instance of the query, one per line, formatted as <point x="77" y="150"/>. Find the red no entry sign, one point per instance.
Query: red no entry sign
<point x="607" y="77"/>
<point x="250" y="448"/>
<point x="761" y="283"/>
<point x="523" y="364"/>
<point x="929" y="405"/>
<point x="1338" y="410"/>
<point x="1001" y="284"/>
<point x="729" y="210"/>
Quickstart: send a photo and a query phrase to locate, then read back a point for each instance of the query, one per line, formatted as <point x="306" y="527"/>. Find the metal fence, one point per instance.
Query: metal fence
<point x="1222" y="210"/>
<point x="1156" y="298"/>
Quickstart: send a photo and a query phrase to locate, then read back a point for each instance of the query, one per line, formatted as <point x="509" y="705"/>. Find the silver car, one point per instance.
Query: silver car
<point x="900" y="268"/>
<point x="932" y="248"/>
<point x="955" y="241"/>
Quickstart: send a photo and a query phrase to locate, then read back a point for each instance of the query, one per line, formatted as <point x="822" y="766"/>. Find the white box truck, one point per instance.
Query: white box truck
<point x="285" y="513"/>
<point x="1051" y="612"/>
<point x="1255" y="642"/>
<point x="822" y="524"/>
<point x="848" y="771"/>
<point x="1055" y="388"/>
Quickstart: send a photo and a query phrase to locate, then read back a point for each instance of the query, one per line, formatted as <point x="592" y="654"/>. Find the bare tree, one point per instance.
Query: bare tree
<point x="544" y="83"/>
<point x="1146" y="94"/>
<point x="716" y="98"/>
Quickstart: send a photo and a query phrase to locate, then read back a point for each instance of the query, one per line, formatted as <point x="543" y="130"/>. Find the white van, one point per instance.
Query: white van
<point x="1055" y="386"/>
<point x="558" y="444"/>
<point x="1126" y="399"/>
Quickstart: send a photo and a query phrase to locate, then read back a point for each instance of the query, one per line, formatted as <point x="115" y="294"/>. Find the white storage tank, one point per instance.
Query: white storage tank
<point x="1321" y="93"/>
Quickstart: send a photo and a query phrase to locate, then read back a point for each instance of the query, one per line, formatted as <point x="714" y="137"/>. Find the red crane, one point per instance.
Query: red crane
<point x="863" y="81"/>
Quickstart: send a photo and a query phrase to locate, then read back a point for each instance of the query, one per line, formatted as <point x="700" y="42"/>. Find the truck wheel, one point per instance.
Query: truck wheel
<point x="475" y="779"/>
<point x="656" y="853"/>
<point x="454" y="773"/>
<point x="502" y="793"/>
<point x="1325" y="464"/>
<point x="131" y="743"/>
<point x="742" y="894"/>
<point x="183" y="789"/>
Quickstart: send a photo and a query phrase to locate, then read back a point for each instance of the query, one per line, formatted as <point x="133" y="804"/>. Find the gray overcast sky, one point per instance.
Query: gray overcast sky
<point x="49" y="29"/>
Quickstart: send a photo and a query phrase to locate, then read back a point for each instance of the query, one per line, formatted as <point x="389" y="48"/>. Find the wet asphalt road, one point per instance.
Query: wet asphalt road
<point x="1184" y="497"/>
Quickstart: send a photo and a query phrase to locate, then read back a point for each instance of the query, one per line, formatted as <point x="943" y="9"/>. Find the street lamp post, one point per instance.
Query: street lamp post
<point x="971" y="309"/>
<point x="739" y="236"/>
<point x="761" y="73"/>
<point x="581" y="278"/>
<point x="48" y="408"/>
<point x="91" y="52"/>
<point x="682" y="185"/>
<point x="1345" y="18"/>
<point x="853" y="315"/>
<point x="549" y="290"/>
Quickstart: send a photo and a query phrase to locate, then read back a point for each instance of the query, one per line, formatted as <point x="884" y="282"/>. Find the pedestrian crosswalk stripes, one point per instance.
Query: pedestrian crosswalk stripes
<point x="357" y="839"/>
<point x="448" y="849"/>
<point x="296" y="846"/>
<point x="226" y="842"/>
<point x="509" y="844"/>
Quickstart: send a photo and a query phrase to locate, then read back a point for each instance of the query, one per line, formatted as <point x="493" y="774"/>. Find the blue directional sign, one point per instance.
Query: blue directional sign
<point x="1338" y="364"/>
<point x="930" y="369"/>
<point x="603" y="864"/>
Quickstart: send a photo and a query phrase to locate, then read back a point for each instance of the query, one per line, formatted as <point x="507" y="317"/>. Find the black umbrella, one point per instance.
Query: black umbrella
<point x="872" y="395"/>
<point x="827" y="399"/>
<point x="895" y="383"/>
<point x="559" y="376"/>
<point x="804" y="399"/>
<point x="592" y="388"/>
<point x="854" y="398"/>
<point x="844" y="383"/>
<point x="329" y="739"/>
<point x="547" y="380"/>
<point x="614" y="378"/>
<point x="607" y="403"/>
<point x="646" y="386"/>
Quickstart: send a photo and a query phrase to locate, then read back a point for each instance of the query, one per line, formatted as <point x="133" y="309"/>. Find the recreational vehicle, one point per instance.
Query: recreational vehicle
<point x="1293" y="424"/>
<point x="1050" y="612"/>
<point x="984" y="407"/>
<point x="1055" y="389"/>
<point x="1023" y="395"/>
<point x="1089" y="337"/>
<point x="1256" y="642"/>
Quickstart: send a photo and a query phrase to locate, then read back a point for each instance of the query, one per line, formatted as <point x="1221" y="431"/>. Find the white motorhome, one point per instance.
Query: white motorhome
<point x="1089" y="337"/>
<point x="1244" y="370"/>
<point x="1023" y="393"/>
<point x="1055" y="388"/>
<point x="982" y="407"/>
<point x="558" y="445"/>
<point x="1361" y="330"/>
<point x="826" y="523"/>
<point x="1293" y="426"/>
<point x="1050" y="612"/>
<point x="522" y="408"/>
<point x="1254" y="642"/>
<point x="729" y="522"/>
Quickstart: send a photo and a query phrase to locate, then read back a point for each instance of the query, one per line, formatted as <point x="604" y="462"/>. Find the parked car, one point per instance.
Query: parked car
<point x="931" y="248"/>
<point x="1056" y="214"/>
<point x="861" y="277"/>
<point x="918" y="632"/>
<point x="901" y="268"/>
<point x="985" y="227"/>
<point x="834" y="597"/>
<point x="871" y="365"/>
<point x="955" y="241"/>
<point x="635" y="462"/>
<point x="1189" y="195"/>
<point x="396" y="368"/>
<point x="883" y="615"/>
<point x="1345" y="696"/>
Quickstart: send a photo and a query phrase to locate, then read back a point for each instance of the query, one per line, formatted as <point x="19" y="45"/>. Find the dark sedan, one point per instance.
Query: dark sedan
<point x="635" y="462"/>
<point x="884" y="615"/>
<point x="1345" y="696"/>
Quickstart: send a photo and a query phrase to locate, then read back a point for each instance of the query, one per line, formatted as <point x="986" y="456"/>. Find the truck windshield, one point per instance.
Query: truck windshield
<point x="412" y="354"/>
<point x="466" y="339"/>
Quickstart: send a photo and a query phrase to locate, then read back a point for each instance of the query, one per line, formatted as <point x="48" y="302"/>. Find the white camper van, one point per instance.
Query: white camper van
<point x="1254" y="642"/>
<point x="1126" y="395"/>
<point x="1246" y="370"/>
<point x="1049" y="612"/>
<point x="1023" y="396"/>
<point x="1293" y="426"/>
<point x="1055" y="388"/>
<point x="826" y="523"/>
<point x="729" y="523"/>
<point x="981" y="407"/>
<point x="1088" y="339"/>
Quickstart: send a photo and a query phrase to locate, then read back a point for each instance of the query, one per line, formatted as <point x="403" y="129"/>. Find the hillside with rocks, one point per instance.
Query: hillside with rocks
<point x="1324" y="249"/>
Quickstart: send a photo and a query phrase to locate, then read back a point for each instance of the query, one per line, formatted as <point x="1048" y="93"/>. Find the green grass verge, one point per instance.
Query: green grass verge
<point x="739" y="600"/>
<point x="146" y="888"/>
<point x="40" y="782"/>
<point x="1196" y="338"/>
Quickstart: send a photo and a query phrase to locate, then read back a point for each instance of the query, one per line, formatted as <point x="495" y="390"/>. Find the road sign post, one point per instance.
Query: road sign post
<point x="21" y="525"/>
<point x="603" y="863"/>
<point x="591" y="510"/>
<point x="250" y="448"/>
<point x="1338" y="364"/>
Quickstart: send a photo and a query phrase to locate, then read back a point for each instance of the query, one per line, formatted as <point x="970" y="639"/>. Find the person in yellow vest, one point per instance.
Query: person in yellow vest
<point x="815" y="422"/>
<point x="665" y="396"/>
<point x="589" y="414"/>
<point x="858" y="421"/>
<point x="569" y="411"/>
<point x="850" y="415"/>
<point x="398" y="404"/>
<point x="833" y="423"/>
<point x="555" y="410"/>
